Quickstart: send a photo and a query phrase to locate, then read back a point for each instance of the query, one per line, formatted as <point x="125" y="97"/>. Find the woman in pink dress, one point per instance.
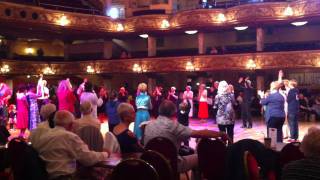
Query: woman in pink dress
<point x="22" y="110"/>
<point x="203" y="102"/>
<point x="65" y="95"/>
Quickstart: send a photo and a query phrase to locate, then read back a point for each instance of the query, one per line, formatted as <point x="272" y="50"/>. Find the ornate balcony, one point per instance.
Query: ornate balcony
<point x="254" y="61"/>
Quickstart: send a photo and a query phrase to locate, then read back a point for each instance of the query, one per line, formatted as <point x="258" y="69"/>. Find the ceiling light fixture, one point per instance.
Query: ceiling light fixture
<point x="299" y="23"/>
<point x="29" y="50"/>
<point x="145" y="36"/>
<point x="191" y="32"/>
<point x="288" y="11"/>
<point x="241" y="28"/>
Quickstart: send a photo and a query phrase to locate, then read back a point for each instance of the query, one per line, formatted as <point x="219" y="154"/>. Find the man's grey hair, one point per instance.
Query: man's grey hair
<point x="167" y="108"/>
<point x="124" y="110"/>
<point x="47" y="110"/>
<point x="63" y="118"/>
<point x="310" y="145"/>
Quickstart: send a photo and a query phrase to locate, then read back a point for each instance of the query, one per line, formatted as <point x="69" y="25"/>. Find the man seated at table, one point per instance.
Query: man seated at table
<point x="60" y="149"/>
<point x="47" y="113"/>
<point x="165" y="126"/>
<point x="87" y="118"/>
<point x="309" y="167"/>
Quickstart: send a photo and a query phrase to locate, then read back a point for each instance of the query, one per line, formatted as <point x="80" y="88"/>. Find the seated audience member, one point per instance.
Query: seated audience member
<point x="127" y="140"/>
<point x="304" y="105"/>
<point x="47" y="113"/>
<point x="87" y="119"/>
<point x="315" y="109"/>
<point x="60" y="148"/>
<point x="309" y="167"/>
<point x="165" y="126"/>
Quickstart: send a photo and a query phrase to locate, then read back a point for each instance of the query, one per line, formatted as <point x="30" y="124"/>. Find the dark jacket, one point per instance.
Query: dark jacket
<point x="275" y="105"/>
<point x="293" y="101"/>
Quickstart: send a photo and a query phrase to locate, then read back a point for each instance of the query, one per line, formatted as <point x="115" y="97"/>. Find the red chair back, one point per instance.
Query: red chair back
<point x="212" y="158"/>
<point x="290" y="152"/>
<point x="165" y="147"/>
<point x="134" y="169"/>
<point x="251" y="166"/>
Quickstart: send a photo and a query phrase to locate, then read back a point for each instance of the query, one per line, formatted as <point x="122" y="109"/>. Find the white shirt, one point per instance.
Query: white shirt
<point x="37" y="133"/>
<point x="86" y="120"/>
<point x="93" y="99"/>
<point x="203" y="96"/>
<point x="60" y="149"/>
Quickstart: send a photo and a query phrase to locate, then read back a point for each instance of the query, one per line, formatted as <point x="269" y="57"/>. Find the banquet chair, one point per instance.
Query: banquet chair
<point x="212" y="157"/>
<point x="290" y="152"/>
<point x="111" y="143"/>
<point x="160" y="163"/>
<point x="25" y="161"/>
<point x="165" y="147"/>
<point x="92" y="137"/>
<point x="134" y="169"/>
<point x="251" y="166"/>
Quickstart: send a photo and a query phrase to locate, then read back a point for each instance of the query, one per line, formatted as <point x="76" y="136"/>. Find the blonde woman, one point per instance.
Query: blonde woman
<point x="65" y="96"/>
<point x="203" y="102"/>
<point x="143" y="104"/>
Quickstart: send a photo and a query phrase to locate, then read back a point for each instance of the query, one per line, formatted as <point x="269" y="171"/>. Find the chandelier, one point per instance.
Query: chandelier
<point x="5" y="68"/>
<point x="63" y="21"/>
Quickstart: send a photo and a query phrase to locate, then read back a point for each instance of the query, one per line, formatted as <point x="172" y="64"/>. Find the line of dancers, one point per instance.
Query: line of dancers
<point x="217" y="100"/>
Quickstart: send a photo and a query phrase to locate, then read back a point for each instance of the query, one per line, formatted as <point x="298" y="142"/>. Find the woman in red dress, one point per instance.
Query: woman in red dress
<point x="65" y="95"/>
<point x="22" y="110"/>
<point x="203" y="104"/>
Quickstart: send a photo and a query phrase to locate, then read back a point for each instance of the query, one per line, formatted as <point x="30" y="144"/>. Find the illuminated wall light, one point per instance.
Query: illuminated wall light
<point x="251" y="64"/>
<point x="221" y="17"/>
<point x="165" y="24"/>
<point x="241" y="28"/>
<point x="90" y="69"/>
<point x="28" y="76"/>
<point x="288" y="11"/>
<point x="29" y="50"/>
<point x="299" y="23"/>
<point x="48" y="70"/>
<point x="5" y="68"/>
<point x="144" y="35"/>
<point x="63" y="21"/>
<point x="191" y="32"/>
<point x="120" y="27"/>
<point x="191" y="67"/>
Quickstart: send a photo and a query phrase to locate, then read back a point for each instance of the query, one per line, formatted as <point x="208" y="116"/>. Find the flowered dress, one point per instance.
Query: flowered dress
<point x="34" y="117"/>
<point x="225" y="113"/>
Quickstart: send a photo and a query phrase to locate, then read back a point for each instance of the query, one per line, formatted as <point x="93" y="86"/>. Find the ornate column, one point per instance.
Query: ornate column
<point x="107" y="49"/>
<point x="201" y="44"/>
<point x="152" y="46"/>
<point x="66" y="48"/>
<point x="260" y="39"/>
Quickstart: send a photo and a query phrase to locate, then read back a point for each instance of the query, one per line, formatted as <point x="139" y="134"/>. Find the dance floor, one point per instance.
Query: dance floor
<point x="258" y="132"/>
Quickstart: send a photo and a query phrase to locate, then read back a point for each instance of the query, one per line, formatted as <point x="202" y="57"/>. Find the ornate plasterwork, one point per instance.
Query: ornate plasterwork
<point x="199" y="18"/>
<point x="293" y="59"/>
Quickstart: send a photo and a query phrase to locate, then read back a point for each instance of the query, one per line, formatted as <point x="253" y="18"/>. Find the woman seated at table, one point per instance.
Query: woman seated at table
<point x="126" y="138"/>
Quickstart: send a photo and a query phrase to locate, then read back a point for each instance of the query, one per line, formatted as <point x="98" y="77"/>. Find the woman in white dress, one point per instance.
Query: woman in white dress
<point x="188" y="96"/>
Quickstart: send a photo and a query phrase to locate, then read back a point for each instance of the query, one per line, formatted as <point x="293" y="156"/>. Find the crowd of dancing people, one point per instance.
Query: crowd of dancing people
<point x="221" y="101"/>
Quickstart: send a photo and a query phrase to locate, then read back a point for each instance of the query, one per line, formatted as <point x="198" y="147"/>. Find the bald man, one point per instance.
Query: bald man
<point x="60" y="148"/>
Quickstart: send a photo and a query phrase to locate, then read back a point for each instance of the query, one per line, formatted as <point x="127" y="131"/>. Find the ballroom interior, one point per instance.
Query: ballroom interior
<point x="167" y="43"/>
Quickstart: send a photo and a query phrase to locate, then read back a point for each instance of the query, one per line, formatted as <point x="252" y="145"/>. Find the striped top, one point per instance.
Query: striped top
<point x="304" y="169"/>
